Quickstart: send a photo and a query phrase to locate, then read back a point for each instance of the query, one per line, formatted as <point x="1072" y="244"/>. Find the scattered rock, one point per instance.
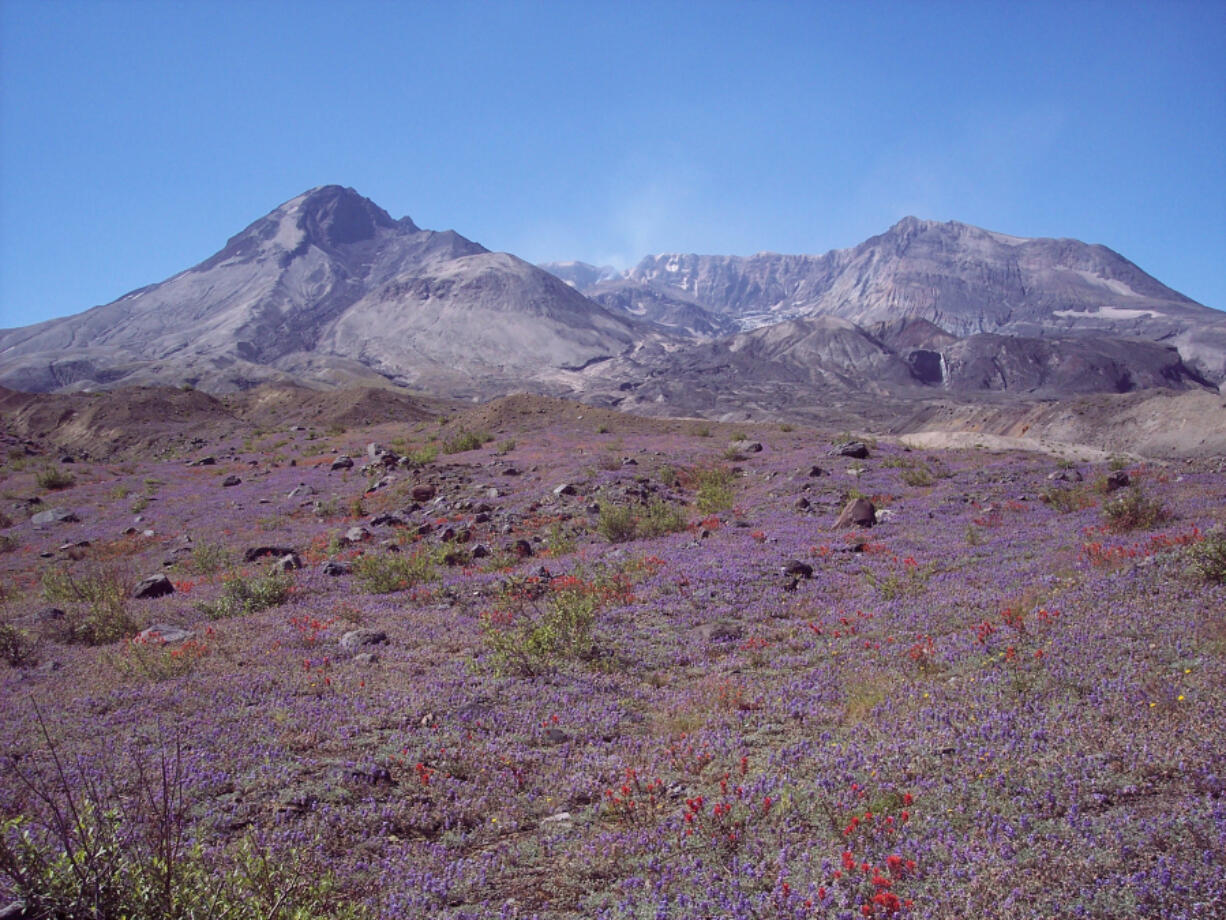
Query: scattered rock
<point x="365" y="658"/>
<point x="362" y="638"/>
<point x="302" y="489"/>
<point x="165" y="634"/>
<point x="336" y="569"/>
<point x="231" y="480"/>
<point x="252" y="553"/>
<point x="357" y="534"/>
<point x="54" y="516"/>
<point x="561" y="818"/>
<point x="387" y="520"/>
<point x="857" y="450"/>
<point x="371" y="776"/>
<point x="752" y="447"/>
<point x="566" y="488"/>
<point x="1118" y="480"/>
<point x="522" y="549"/>
<point x="556" y="736"/>
<point x="342" y="463"/>
<point x="204" y="461"/>
<point x="859" y="512"/>
<point x="797" y="568"/>
<point x="423" y="492"/>
<point x="1065" y="476"/>
<point x="801" y="504"/>
<point x="288" y="563"/>
<point x="885" y="515"/>
<point x="153" y="586"/>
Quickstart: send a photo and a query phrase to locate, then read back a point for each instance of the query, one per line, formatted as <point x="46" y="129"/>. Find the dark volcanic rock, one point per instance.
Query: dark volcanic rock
<point x="153" y="586"/>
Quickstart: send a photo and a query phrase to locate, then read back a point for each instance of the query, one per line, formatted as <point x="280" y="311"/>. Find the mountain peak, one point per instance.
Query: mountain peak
<point x="333" y="215"/>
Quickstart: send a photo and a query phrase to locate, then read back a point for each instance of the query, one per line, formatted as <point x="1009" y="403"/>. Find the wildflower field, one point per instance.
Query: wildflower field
<point x="563" y="663"/>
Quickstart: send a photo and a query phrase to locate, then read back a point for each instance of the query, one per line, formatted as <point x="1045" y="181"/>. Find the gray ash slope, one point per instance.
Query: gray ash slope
<point x="327" y="287"/>
<point x="330" y="291"/>
<point x="965" y="280"/>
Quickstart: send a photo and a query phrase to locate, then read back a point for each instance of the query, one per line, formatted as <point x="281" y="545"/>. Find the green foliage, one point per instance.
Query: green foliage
<point x="208" y="558"/>
<point x="1133" y="511"/>
<point x="785" y="428"/>
<point x="98" y="856"/>
<point x="713" y="485"/>
<point x="95" y="602"/>
<point x="52" y="478"/>
<point x="602" y="429"/>
<point x="386" y="573"/>
<point x="1207" y="559"/>
<point x="15" y="645"/>
<point x="241" y="596"/>
<point x="701" y="431"/>
<point x="1116" y="463"/>
<point x="668" y="475"/>
<point x="531" y="635"/>
<point x="1066" y="500"/>
<point x="506" y="447"/>
<point x="463" y="441"/>
<point x="623" y="523"/>
<point x="918" y="475"/>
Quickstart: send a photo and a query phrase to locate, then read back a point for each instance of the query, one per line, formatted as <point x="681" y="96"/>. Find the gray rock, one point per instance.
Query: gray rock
<point x="859" y="512"/>
<point x="231" y="480"/>
<point x="423" y="492"/>
<point x="165" y="633"/>
<point x="566" y="488"/>
<point x="253" y="553"/>
<point x="362" y="638"/>
<point x="153" y="586"/>
<point x="288" y="563"/>
<point x="1118" y="480"/>
<point x="342" y="463"/>
<point x="54" y="516"/>
<point x="302" y="489"/>
<point x="336" y="569"/>
<point x="752" y="447"/>
<point x="857" y="450"/>
<point x="357" y="534"/>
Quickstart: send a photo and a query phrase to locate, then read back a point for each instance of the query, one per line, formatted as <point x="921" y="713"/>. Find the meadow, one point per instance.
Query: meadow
<point x="543" y="661"/>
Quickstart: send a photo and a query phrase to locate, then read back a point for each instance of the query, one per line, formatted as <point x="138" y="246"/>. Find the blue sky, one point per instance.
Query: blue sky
<point x="136" y="137"/>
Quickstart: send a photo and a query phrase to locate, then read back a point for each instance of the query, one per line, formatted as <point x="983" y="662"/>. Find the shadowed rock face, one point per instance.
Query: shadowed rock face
<point x="332" y="276"/>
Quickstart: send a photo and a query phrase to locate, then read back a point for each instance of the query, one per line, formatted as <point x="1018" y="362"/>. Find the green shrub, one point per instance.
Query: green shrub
<point x="1133" y="511"/>
<point x="245" y="595"/>
<point x="462" y="441"/>
<point x="714" y="488"/>
<point x="53" y="478"/>
<point x="918" y="475"/>
<point x="95" y="602"/>
<point x="1066" y="500"/>
<point x="102" y="856"/>
<point x="386" y="573"/>
<point x="208" y="558"/>
<point x="617" y="523"/>
<point x="1207" y="559"/>
<point x="659" y="518"/>
<point x="531" y="635"/>
<point x="701" y="431"/>
<point x="424" y="455"/>
<point x="15" y="645"/>
<point x="506" y="447"/>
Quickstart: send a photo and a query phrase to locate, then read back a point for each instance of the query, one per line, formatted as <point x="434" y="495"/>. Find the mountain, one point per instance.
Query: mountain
<point x="328" y="286"/>
<point x="963" y="279"/>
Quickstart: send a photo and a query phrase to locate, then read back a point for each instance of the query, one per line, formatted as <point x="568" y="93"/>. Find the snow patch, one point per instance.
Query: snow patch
<point x="1109" y="312"/>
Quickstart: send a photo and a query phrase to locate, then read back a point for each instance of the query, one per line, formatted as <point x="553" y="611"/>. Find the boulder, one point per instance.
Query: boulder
<point x="342" y="463"/>
<point x="1118" y="480"/>
<point x="362" y="638"/>
<point x="857" y="450"/>
<point x="153" y="586"/>
<point x="797" y="568"/>
<point x="288" y="563"/>
<point x="357" y="534"/>
<point x="165" y="634"/>
<point x="54" y="516"/>
<point x="423" y="492"/>
<point x="231" y="480"/>
<point x="252" y="553"/>
<point x="336" y="569"/>
<point x="859" y="512"/>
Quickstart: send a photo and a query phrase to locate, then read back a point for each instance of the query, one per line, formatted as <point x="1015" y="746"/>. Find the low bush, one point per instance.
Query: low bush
<point x="241" y="595"/>
<point x="1207" y="559"/>
<point x="53" y="478"/>
<point x="623" y="523"/>
<point x="96" y="854"/>
<point x="95" y="602"/>
<point x="466" y="440"/>
<point x="15" y="645"/>
<point x="532" y="634"/>
<point x="1133" y="511"/>
<point x="713" y="485"/>
<point x="386" y="573"/>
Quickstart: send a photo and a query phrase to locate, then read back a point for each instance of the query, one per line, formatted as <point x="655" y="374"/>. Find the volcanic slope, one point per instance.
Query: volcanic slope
<point x="327" y="286"/>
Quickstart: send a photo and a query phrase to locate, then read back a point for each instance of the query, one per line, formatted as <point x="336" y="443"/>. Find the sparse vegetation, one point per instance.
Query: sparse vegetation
<point x="384" y="573"/>
<point x="1207" y="559"/>
<point x="463" y="441"/>
<point x="244" y="595"/>
<point x="713" y="485"/>
<point x="95" y="603"/>
<point x="1133" y="510"/>
<point x="622" y="523"/>
<point x="53" y="479"/>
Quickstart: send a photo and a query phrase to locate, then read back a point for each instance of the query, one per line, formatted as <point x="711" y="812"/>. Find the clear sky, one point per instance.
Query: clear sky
<point x="136" y="137"/>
